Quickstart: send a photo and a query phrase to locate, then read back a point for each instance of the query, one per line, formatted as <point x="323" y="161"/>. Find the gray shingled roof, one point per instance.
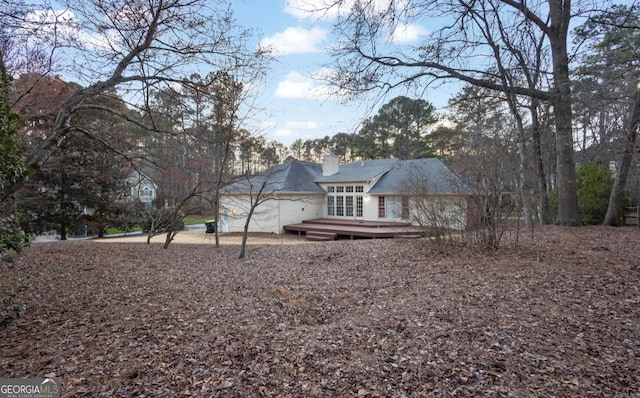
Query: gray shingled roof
<point x="365" y="170"/>
<point x="290" y="177"/>
<point x="302" y="177"/>
<point x="432" y="172"/>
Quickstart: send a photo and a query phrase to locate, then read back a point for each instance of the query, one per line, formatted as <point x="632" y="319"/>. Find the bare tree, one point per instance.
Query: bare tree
<point x="607" y="86"/>
<point x="244" y="197"/>
<point x="487" y="157"/>
<point x="441" y="215"/>
<point x="257" y="189"/>
<point x="366" y="61"/>
<point x="134" y="47"/>
<point x="614" y="210"/>
<point x="179" y="210"/>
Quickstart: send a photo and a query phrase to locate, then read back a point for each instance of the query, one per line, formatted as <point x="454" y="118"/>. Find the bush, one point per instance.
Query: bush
<point x="12" y="306"/>
<point x="11" y="235"/>
<point x="594" y="183"/>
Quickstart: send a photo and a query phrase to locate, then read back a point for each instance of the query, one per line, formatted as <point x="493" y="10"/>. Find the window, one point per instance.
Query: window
<point x="348" y="206"/>
<point x="341" y="202"/>
<point x="393" y="207"/>
<point x="146" y="192"/>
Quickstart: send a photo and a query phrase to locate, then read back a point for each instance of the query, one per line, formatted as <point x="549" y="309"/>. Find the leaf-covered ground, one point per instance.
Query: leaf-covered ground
<point x="555" y="316"/>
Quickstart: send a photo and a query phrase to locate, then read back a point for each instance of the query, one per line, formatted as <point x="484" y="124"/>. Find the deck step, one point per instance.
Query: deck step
<point x="409" y="234"/>
<point x="318" y="236"/>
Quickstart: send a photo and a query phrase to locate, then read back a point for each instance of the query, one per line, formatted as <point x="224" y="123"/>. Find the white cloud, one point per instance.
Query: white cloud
<point x="301" y="125"/>
<point x="50" y="25"/>
<point x="296" y="85"/>
<point x="296" y="40"/>
<point x="407" y="33"/>
<point x="283" y="133"/>
<point x="62" y="26"/>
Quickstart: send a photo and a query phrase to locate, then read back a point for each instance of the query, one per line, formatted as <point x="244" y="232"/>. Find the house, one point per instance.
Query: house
<point x="137" y="186"/>
<point x="289" y="195"/>
<point x="142" y="188"/>
<point x="420" y="191"/>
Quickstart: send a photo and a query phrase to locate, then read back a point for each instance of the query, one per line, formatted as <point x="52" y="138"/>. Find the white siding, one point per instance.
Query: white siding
<point x="236" y="207"/>
<point x="444" y="211"/>
<point x="370" y="210"/>
<point x="440" y="211"/>
<point x="272" y="214"/>
<point x="296" y="208"/>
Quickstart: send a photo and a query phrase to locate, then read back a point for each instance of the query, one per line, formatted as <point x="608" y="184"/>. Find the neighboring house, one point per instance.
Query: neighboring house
<point x="138" y="186"/>
<point x="142" y="188"/>
<point x="380" y="190"/>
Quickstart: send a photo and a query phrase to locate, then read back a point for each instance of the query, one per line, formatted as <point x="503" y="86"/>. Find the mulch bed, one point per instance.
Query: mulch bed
<point x="554" y="315"/>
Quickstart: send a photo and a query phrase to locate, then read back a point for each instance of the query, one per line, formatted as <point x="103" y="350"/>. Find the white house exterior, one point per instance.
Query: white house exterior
<point x="288" y="196"/>
<point x="372" y="190"/>
<point x="270" y="216"/>
<point x="142" y="188"/>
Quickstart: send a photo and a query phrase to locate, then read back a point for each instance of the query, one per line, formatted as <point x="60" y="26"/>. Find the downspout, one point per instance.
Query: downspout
<point x="279" y="215"/>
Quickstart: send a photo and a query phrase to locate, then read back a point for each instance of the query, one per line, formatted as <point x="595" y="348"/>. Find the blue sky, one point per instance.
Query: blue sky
<point x="296" y="105"/>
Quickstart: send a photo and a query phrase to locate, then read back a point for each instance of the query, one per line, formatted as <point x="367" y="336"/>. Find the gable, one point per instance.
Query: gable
<point x="430" y="174"/>
<point x="138" y="179"/>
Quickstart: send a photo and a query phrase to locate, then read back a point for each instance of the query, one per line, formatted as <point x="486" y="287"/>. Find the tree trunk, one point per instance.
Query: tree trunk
<point x="524" y="192"/>
<point x="543" y="197"/>
<point x="63" y="230"/>
<point x="560" y="16"/>
<point x="170" y="235"/>
<point x="614" y="210"/>
<point x="245" y="233"/>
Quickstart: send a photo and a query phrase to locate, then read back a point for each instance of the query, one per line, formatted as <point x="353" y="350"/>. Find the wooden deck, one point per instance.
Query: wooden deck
<point x="322" y="229"/>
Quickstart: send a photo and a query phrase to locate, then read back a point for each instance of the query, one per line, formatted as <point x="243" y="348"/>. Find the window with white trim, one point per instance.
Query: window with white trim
<point x="339" y="205"/>
<point x="348" y="206"/>
<point x="146" y="192"/>
<point x="393" y="207"/>
<point x="345" y="200"/>
<point x="382" y="209"/>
